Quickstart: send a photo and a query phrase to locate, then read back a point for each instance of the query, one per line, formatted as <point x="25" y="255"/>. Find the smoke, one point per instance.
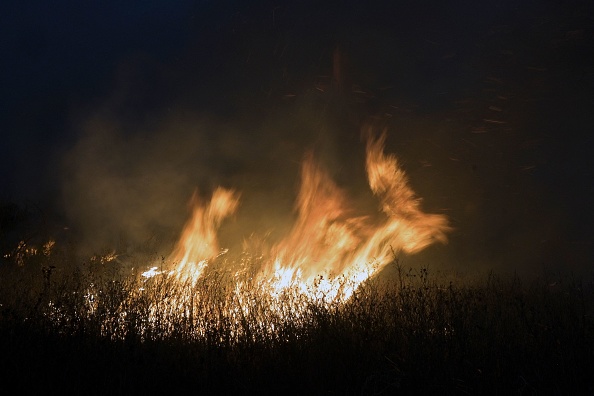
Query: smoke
<point x="129" y="189"/>
<point x="127" y="181"/>
<point x="123" y="188"/>
<point x="473" y="133"/>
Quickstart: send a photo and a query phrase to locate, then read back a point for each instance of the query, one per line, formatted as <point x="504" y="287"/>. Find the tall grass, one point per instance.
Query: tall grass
<point x="94" y="328"/>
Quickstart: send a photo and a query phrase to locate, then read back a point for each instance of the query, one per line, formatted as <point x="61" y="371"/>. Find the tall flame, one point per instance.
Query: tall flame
<point x="330" y="251"/>
<point x="323" y="234"/>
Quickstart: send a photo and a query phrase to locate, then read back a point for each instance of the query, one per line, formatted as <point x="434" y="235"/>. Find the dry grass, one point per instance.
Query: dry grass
<point x="91" y="328"/>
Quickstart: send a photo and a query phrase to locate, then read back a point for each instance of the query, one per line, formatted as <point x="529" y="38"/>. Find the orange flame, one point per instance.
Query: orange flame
<point x="410" y="229"/>
<point x="329" y="252"/>
<point x="198" y="242"/>
<point x="324" y="241"/>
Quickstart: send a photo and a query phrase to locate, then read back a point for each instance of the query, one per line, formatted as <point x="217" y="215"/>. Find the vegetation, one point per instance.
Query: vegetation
<point x="93" y="329"/>
<point x="96" y="327"/>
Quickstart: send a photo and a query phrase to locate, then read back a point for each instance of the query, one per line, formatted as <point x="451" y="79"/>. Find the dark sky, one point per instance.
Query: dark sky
<point x="112" y="112"/>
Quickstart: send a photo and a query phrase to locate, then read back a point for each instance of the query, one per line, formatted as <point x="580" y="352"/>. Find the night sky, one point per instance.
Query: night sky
<point x="113" y="112"/>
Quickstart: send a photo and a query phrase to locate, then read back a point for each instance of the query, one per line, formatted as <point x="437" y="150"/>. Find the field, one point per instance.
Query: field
<point x="95" y="328"/>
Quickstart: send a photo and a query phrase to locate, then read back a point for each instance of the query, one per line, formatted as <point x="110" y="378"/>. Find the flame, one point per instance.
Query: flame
<point x="410" y="229"/>
<point x="198" y="242"/>
<point x="330" y="250"/>
<point x="322" y="246"/>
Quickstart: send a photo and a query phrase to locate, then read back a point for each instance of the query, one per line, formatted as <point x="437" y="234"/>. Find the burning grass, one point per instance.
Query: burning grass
<point x="308" y="315"/>
<point x="100" y="329"/>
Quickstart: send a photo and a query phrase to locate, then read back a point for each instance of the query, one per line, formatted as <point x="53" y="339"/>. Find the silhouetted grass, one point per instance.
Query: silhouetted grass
<point x="91" y="329"/>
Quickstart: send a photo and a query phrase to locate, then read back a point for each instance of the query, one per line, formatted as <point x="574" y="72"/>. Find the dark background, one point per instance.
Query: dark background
<point x="112" y="113"/>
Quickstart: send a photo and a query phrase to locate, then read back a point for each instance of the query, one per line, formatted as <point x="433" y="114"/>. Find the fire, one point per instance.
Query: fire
<point x="323" y="240"/>
<point x="328" y="254"/>
<point x="408" y="227"/>
<point x="330" y="251"/>
<point x="198" y="243"/>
